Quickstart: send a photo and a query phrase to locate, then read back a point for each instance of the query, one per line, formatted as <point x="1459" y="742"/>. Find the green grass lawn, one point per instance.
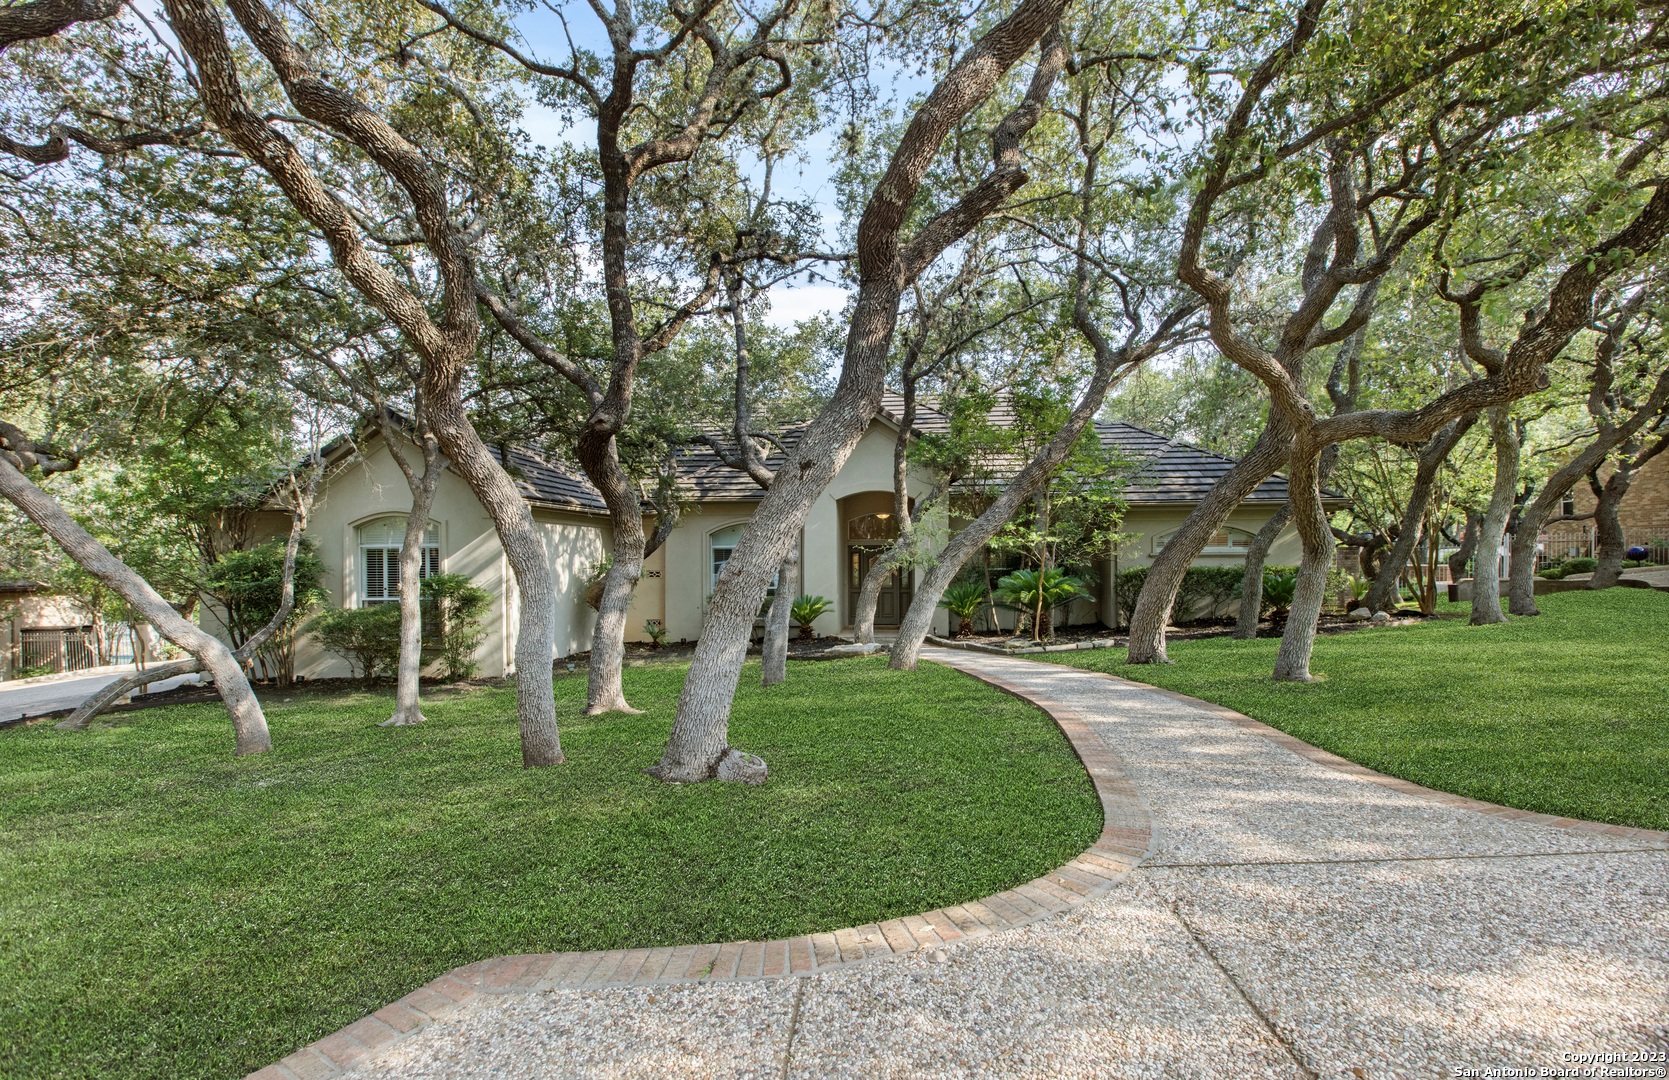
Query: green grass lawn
<point x="1566" y="713"/>
<point x="167" y="910"/>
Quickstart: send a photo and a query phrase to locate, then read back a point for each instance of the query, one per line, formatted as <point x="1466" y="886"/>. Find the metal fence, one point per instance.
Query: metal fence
<point x="56" y="651"/>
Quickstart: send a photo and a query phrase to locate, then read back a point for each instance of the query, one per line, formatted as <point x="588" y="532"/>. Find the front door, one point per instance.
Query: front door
<point x="895" y="591"/>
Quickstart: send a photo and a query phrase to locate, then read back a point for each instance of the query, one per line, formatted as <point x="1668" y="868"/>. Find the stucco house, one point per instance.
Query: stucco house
<point x="358" y="525"/>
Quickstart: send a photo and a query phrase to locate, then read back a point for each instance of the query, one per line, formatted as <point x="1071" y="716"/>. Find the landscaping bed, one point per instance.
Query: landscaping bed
<point x="1566" y="713"/>
<point x="167" y="910"/>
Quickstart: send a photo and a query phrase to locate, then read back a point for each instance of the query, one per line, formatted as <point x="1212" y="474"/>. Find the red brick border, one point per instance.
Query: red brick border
<point x="1126" y="840"/>
<point x="1395" y="783"/>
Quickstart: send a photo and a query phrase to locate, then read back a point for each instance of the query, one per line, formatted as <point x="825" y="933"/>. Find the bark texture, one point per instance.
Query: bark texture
<point x="408" y="708"/>
<point x="1386" y="587"/>
<point x="1486" y="573"/>
<point x="779" y="619"/>
<point x="887" y="265"/>
<point x="1251" y="582"/>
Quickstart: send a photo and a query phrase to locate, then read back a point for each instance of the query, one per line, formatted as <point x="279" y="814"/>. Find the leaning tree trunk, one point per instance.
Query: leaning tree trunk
<point x="407" y="709"/>
<point x="1164" y="577"/>
<point x="1251" y="582"/>
<point x="249" y="724"/>
<point x="869" y="591"/>
<point x="777" y="620"/>
<point x="1292" y="661"/>
<point x="1609" y="543"/>
<point x="698" y="748"/>
<point x="1486" y="574"/>
<point x="1386" y="588"/>
<point x="524" y="548"/>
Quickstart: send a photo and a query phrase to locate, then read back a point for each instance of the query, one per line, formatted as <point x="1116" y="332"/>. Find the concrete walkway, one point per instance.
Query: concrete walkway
<point x="41" y="697"/>
<point x="1297" y="918"/>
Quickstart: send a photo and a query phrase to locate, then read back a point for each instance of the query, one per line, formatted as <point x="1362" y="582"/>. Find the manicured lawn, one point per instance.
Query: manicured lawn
<point x="169" y="911"/>
<point x="1566" y="713"/>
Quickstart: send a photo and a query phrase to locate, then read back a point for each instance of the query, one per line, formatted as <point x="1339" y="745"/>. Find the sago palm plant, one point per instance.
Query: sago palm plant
<point x="805" y="611"/>
<point x="964" y="599"/>
<point x="1039" y="593"/>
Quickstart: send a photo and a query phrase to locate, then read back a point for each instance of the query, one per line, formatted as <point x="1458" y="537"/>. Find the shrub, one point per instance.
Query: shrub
<point x="1024" y="590"/>
<point x="805" y="611"/>
<point x="458" y="605"/>
<point x="248" y="586"/>
<point x="1566" y="568"/>
<point x="367" y="638"/>
<point x="964" y="599"/>
<point x="1218" y="584"/>
<point x="1279" y="584"/>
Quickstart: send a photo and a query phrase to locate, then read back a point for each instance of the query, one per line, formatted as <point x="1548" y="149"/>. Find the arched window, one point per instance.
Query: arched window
<point x="720" y="545"/>
<point x="379" y="559"/>
<point x="872" y="527"/>
<point x="1224" y="541"/>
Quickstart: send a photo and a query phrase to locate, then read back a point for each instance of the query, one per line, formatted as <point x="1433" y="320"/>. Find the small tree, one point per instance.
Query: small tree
<point x="1038" y="593"/>
<point x="457" y="605"/>
<point x="248" y="586"/>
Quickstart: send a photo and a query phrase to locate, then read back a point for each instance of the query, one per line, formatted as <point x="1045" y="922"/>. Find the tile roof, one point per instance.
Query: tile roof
<point x="1172" y="471"/>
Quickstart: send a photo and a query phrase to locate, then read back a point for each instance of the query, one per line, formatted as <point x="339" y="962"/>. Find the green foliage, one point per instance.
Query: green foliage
<point x="1279" y="585"/>
<point x="656" y="633"/>
<point x="457" y="605"/>
<point x="805" y="611"/>
<point x="1564" y="569"/>
<point x="368" y="638"/>
<point x="1216" y="584"/>
<point x="965" y="599"/>
<point x="248" y="587"/>
<point x="1358" y="585"/>
<point x="1039" y="592"/>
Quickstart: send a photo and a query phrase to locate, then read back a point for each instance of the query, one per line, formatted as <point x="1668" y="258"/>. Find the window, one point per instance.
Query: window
<point x="1567" y="506"/>
<point x="872" y="527"/>
<point x="1224" y="541"/>
<point x="379" y="559"/>
<point x="719" y="547"/>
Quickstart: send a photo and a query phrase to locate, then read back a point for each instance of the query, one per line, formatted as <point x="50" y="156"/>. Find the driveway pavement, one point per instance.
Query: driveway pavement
<point x="44" y="697"/>
<point x="1297" y="918"/>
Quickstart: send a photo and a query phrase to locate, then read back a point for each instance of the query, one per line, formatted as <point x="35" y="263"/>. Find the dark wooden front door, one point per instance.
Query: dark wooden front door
<point x="895" y="591"/>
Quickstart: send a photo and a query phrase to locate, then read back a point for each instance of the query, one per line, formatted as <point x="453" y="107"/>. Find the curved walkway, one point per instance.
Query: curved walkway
<point x="1298" y="916"/>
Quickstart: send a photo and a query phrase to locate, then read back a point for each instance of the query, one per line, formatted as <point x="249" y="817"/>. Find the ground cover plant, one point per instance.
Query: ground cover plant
<point x="1566" y="713"/>
<point x="167" y="910"/>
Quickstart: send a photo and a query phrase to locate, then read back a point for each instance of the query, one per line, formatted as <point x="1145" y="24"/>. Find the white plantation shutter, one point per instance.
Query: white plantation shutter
<point x="379" y="555"/>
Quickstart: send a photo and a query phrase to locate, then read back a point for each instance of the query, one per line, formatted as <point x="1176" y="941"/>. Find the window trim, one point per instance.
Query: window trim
<point x="389" y="557"/>
<point x="1231" y="531"/>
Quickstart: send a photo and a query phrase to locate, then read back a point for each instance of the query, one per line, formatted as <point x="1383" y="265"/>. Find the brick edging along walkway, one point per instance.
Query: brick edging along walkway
<point x="1126" y="839"/>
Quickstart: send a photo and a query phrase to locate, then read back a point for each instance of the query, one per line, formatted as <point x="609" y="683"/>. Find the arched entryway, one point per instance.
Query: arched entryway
<point x="868" y="527"/>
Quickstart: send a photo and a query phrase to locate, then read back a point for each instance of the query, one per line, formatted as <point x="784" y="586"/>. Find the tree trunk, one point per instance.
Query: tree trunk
<point x="1468" y="544"/>
<point x="112" y="693"/>
<point x="1486" y="574"/>
<point x="525" y="549"/>
<point x="1292" y="661"/>
<point x="869" y="594"/>
<point x="1251" y="582"/>
<point x="407" y="709"/>
<point x="778" y="619"/>
<point x="1609" y="543"/>
<point x="698" y="748"/>
<point x="1164" y="577"/>
<point x="249" y="724"/>
<point x="1384" y="593"/>
<point x="1521" y="574"/>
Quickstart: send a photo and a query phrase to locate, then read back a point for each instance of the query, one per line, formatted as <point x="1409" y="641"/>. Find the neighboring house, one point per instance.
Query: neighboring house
<point x="43" y="631"/>
<point x="1644" y="513"/>
<point x="358" y="525"/>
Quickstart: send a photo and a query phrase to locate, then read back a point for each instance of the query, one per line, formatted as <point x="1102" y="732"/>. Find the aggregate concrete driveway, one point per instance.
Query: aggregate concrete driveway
<point x="1295" y="920"/>
<point x="45" y="697"/>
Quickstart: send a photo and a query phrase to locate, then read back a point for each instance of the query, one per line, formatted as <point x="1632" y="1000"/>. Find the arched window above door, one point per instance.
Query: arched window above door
<point x="873" y="527"/>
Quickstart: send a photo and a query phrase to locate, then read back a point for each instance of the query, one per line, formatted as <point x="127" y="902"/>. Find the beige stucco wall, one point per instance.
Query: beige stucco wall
<point x="366" y="488"/>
